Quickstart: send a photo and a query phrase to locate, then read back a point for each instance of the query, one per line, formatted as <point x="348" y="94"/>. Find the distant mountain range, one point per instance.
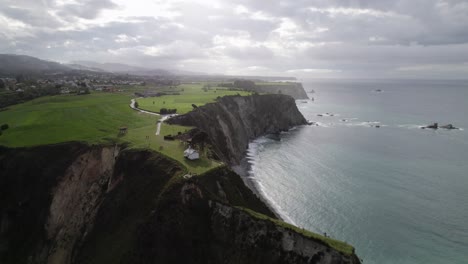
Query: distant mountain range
<point x="11" y="64"/>
<point x="17" y="64"/>
<point x="121" y="68"/>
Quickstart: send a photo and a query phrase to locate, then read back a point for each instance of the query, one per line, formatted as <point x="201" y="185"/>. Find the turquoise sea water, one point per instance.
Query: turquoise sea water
<point x="398" y="193"/>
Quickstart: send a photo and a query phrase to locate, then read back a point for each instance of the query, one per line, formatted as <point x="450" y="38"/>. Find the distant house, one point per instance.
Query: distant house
<point x="191" y="154"/>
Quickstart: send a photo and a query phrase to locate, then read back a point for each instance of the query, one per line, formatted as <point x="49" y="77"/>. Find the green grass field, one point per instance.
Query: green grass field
<point x="93" y="118"/>
<point x="189" y="94"/>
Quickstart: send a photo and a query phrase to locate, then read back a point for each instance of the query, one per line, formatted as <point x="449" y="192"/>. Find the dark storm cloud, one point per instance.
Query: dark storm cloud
<point x="335" y="37"/>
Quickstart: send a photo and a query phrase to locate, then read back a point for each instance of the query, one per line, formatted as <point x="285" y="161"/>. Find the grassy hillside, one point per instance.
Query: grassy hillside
<point x="95" y="118"/>
<point x="189" y="94"/>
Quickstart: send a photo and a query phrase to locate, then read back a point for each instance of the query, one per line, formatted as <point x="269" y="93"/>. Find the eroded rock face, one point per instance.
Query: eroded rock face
<point x="73" y="203"/>
<point x="235" y="120"/>
<point x="265" y="242"/>
<point x="76" y="200"/>
<point x="62" y="203"/>
<point x="210" y="231"/>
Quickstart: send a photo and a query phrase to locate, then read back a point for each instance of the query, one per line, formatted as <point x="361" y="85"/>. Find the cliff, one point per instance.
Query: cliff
<point x="74" y="203"/>
<point x="233" y="121"/>
<point x="295" y="90"/>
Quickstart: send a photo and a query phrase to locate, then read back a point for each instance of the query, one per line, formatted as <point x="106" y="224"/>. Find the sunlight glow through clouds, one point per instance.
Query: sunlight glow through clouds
<point x="359" y="38"/>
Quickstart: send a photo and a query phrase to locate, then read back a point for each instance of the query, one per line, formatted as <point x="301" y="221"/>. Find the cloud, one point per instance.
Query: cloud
<point x="336" y="38"/>
<point x="312" y="71"/>
<point x="86" y="9"/>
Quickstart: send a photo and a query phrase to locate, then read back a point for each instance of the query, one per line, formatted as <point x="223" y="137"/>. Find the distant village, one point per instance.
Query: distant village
<point x="69" y="84"/>
<point x="23" y="87"/>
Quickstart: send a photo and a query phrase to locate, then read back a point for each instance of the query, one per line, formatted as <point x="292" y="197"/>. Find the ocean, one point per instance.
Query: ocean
<point x="396" y="192"/>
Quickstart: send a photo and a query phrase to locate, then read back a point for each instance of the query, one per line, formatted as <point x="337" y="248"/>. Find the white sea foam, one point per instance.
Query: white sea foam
<point x="252" y="152"/>
<point x="320" y="124"/>
<point x="411" y="126"/>
<point x="264" y="193"/>
<point x="364" y="124"/>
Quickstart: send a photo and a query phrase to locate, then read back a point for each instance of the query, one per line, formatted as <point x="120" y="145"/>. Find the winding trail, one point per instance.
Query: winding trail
<point x="132" y="105"/>
<point x="158" y="124"/>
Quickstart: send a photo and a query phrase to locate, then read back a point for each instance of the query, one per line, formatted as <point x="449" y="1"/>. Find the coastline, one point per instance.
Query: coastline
<point x="244" y="169"/>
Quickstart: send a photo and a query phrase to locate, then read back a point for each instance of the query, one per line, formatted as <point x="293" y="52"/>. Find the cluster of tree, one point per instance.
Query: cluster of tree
<point x="207" y="87"/>
<point x="83" y="91"/>
<point x="170" y="83"/>
<point x="11" y="98"/>
<point x="167" y="111"/>
<point x="169" y="137"/>
<point x="245" y="84"/>
<point x="3" y="127"/>
<point x="227" y="85"/>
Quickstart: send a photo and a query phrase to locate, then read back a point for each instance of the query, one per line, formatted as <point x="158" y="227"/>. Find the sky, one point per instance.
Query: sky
<point x="302" y="38"/>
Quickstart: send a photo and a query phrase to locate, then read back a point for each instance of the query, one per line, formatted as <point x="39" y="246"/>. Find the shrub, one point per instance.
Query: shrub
<point x="4" y="127"/>
<point x="167" y="111"/>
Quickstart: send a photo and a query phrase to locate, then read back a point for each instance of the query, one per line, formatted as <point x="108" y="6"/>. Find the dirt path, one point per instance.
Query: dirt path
<point x="132" y="105"/>
<point x="158" y="125"/>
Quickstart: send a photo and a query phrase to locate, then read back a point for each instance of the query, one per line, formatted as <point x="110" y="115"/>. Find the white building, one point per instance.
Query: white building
<point x="191" y="154"/>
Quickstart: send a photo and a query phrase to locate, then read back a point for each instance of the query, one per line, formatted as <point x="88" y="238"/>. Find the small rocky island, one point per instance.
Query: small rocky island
<point x="436" y="126"/>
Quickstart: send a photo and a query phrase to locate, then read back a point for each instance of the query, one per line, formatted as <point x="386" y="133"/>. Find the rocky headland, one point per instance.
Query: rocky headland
<point x="233" y="121"/>
<point x="79" y="203"/>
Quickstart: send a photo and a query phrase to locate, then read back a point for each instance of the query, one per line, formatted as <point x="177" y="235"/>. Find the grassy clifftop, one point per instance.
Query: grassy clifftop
<point x="94" y="119"/>
<point x="189" y="94"/>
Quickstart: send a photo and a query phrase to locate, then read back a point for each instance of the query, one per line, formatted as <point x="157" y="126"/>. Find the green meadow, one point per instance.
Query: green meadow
<point x="189" y="94"/>
<point x="97" y="117"/>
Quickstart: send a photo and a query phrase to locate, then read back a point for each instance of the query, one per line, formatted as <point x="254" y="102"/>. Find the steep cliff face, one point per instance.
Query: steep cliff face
<point x="73" y="203"/>
<point x="295" y="90"/>
<point x="194" y="221"/>
<point x="54" y="198"/>
<point x="233" y="121"/>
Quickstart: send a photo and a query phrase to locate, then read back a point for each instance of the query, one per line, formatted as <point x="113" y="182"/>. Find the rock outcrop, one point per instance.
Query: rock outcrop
<point x="233" y="121"/>
<point x="74" y="203"/>
<point x="436" y="126"/>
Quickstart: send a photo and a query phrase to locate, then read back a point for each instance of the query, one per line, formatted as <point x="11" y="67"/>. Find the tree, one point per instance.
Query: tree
<point x="2" y="84"/>
<point x="20" y="78"/>
<point x="4" y="127"/>
<point x="244" y="84"/>
<point x="136" y="104"/>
